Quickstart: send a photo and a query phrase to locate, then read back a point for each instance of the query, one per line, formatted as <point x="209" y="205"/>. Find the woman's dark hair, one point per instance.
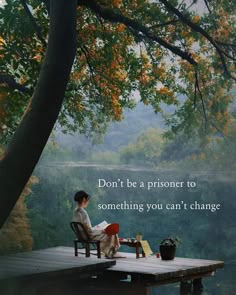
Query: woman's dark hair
<point x="80" y="195"/>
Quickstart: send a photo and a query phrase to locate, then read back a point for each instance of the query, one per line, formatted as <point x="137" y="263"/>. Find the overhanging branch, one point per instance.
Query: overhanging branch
<point x="198" y="29"/>
<point x="207" y="5"/>
<point x="197" y="88"/>
<point x="10" y="82"/>
<point x="115" y="17"/>
<point x="35" y="25"/>
<point x="171" y="22"/>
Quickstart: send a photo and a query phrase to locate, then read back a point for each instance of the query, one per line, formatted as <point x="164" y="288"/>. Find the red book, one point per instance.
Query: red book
<point x="112" y="229"/>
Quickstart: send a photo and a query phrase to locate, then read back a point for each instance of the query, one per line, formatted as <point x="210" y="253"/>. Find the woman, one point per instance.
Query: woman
<point x="109" y="244"/>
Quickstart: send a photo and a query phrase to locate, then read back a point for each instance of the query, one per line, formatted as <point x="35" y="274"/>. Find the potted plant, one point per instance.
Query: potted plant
<point x="168" y="248"/>
<point x="139" y="236"/>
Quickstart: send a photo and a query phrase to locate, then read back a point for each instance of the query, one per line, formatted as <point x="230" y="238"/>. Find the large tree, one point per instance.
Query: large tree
<point x="161" y="51"/>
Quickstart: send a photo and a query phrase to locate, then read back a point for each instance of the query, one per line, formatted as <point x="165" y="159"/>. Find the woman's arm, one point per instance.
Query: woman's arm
<point x="91" y="231"/>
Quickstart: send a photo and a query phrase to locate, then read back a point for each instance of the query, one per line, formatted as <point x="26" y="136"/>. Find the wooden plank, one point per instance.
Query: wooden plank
<point x="23" y="269"/>
<point x="168" y="264"/>
<point x="168" y="268"/>
<point x="176" y="279"/>
<point x="61" y="260"/>
<point x="47" y="262"/>
<point x="159" y="270"/>
<point x="177" y="262"/>
<point x="28" y="261"/>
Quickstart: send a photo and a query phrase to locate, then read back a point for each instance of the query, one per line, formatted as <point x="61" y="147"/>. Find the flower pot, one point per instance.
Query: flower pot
<point x="167" y="249"/>
<point x="167" y="252"/>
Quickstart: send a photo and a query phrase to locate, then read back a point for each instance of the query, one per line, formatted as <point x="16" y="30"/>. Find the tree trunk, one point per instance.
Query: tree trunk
<point x="27" y="144"/>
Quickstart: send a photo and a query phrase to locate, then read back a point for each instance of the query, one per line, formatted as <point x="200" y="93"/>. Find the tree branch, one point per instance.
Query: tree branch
<point x="115" y="17"/>
<point x="10" y="82"/>
<point x="173" y="21"/>
<point x="35" y="26"/>
<point x="207" y="5"/>
<point x="190" y="5"/>
<point x="200" y="30"/>
<point x="226" y="44"/>
<point x="197" y="88"/>
<point x="91" y="70"/>
<point x="217" y="128"/>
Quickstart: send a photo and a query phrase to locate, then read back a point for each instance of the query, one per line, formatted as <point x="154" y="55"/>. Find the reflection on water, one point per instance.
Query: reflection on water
<point x="223" y="283"/>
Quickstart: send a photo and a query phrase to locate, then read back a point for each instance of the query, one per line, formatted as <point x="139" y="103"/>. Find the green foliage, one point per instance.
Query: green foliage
<point x="54" y="152"/>
<point x="135" y="50"/>
<point x="15" y="235"/>
<point x="180" y="147"/>
<point x="147" y="149"/>
<point x="104" y="158"/>
<point x="171" y="241"/>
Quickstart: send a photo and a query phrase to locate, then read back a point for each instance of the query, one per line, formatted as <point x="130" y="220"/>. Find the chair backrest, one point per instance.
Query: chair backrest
<point x="80" y="231"/>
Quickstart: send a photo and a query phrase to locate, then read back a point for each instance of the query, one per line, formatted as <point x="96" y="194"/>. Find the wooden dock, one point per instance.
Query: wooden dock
<point x="55" y="266"/>
<point x="49" y="262"/>
<point x="24" y="273"/>
<point x="155" y="270"/>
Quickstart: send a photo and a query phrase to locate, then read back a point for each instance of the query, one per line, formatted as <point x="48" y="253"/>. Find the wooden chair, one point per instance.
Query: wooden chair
<point x="82" y="237"/>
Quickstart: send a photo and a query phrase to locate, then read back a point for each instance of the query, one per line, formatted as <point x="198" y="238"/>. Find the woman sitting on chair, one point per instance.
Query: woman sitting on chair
<point x="109" y="243"/>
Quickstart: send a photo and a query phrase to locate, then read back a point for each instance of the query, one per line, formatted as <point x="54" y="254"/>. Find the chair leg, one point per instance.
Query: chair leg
<point x="99" y="250"/>
<point x="76" y="248"/>
<point x="87" y="250"/>
<point x="137" y="250"/>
